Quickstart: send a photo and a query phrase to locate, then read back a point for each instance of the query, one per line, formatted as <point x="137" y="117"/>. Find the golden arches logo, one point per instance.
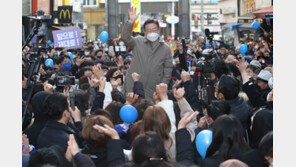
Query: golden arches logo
<point x="64" y="12"/>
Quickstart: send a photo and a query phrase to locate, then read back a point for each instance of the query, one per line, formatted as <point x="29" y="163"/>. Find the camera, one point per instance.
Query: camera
<point x="65" y="80"/>
<point x="205" y="67"/>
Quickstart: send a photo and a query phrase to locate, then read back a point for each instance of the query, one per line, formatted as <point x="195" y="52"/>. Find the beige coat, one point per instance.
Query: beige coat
<point x="153" y="61"/>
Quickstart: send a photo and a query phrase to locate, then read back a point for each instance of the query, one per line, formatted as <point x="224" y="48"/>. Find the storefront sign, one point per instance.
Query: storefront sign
<point x="65" y="14"/>
<point x="137" y="25"/>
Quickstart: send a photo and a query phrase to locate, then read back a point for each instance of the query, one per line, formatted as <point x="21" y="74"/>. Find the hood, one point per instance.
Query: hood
<point x="37" y="105"/>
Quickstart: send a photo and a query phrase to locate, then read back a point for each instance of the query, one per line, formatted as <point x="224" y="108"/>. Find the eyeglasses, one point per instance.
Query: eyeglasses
<point x="151" y="30"/>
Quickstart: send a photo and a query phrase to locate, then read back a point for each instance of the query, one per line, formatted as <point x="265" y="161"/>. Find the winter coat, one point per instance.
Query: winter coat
<point x="54" y="133"/>
<point x="40" y="117"/>
<point x="240" y="109"/>
<point x="152" y="60"/>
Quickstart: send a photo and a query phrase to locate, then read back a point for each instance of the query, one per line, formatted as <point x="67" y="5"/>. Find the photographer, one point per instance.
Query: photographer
<point x="181" y="54"/>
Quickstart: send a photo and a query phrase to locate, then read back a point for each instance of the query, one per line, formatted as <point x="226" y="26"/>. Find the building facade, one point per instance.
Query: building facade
<point x="211" y="16"/>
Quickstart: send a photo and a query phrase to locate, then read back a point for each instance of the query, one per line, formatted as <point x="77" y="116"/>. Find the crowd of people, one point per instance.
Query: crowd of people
<point x="177" y="95"/>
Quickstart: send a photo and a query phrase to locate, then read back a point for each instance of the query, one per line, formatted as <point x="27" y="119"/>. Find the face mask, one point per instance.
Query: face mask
<point x="106" y="49"/>
<point x="174" y="62"/>
<point x="152" y="36"/>
<point x="191" y="72"/>
<point x="121" y="43"/>
<point x="216" y="95"/>
<point x="45" y="56"/>
<point x="67" y="66"/>
<point x="86" y="53"/>
<point x="269" y="97"/>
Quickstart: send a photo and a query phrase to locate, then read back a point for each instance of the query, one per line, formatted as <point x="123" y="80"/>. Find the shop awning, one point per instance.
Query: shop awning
<point x="262" y="12"/>
<point x="235" y="25"/>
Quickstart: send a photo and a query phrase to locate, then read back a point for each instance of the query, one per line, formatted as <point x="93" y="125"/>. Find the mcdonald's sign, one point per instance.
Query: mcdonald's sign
<point x="65" y="14"/>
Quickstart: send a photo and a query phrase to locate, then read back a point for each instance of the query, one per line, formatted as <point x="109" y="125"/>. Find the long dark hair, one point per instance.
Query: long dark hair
<point x="228" y="138"/>
<point x="149" y="151"/>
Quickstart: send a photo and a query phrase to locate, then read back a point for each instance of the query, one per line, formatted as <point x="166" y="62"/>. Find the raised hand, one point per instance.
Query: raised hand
<point x="119" y="61"/>
<point x="102" y="83"/>
<point x="177" y="83"/>
<point x="162" y="91"/>
<point x="112" y="133"/>
<point x="242" y="66"/>
<point x="202" y="122"/>
<point x="76" y="115"/>
<point x="79" y="60"/>
<point x="178" y="93"/>
<point x="133" y="16"/>
<point x="187" y="119"/>
<point x="97" y="70"/>
<point x="131" y="98"/>
<point x="185" y="76"/>
<point x="72" y="148"/>
<point x="136" y="77"/>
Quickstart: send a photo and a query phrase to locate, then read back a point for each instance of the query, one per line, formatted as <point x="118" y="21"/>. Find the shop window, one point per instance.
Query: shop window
<point x="90" y="2"/>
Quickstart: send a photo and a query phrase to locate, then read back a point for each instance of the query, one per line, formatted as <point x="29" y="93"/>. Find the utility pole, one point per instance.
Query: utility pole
<point x="202" y="18"/>
<point x="112" y="18"/>
<point x="173" y="25"/>
<point x="184" y="23"/>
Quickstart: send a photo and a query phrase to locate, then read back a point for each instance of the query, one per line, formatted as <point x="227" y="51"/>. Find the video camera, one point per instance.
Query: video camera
<point x="65" y="80"/>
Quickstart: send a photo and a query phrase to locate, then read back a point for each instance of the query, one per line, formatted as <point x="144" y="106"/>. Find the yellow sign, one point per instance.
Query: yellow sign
<point x="64" y="12"/>
<point x="137" y="24"/>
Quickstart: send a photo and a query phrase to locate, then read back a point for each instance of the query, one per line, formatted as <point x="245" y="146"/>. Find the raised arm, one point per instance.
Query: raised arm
<point x="126" y="34"/>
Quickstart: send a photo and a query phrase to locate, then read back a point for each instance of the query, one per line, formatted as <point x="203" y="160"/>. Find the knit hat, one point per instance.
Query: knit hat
<point x="264" y="75"/>
<point x="256" y="63"/>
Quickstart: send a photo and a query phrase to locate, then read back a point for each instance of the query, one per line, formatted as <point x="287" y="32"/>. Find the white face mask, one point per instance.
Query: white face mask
<point x="216" y="95"/>
<point x="191" y="72"/>
<point x="152" y="36"/>
<point x="121" y="43"/>
<point x="86" y="53"/>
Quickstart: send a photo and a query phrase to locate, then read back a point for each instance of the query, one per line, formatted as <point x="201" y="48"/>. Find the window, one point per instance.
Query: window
<point x="90" y="2"/>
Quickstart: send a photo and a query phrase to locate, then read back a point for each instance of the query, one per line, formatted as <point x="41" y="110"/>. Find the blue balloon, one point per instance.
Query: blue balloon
<point x="128" y="114"/>
<point x="255" y="25"/>
<point x="203" y="141"/>
<point x="104" y="36"/>
<point x="243" y="49"/>
<point x="49" y="62"/>
<point x="70" y="55"/>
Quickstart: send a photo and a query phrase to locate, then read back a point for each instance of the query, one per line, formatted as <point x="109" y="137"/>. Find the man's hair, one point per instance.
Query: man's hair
<point x="266" y="145"/>
<point x="51" y="156"/>
<point x="150" y="21"/>
<point x="229" y="87"/>
<point x="55" y="105"/>
<point x="255" y="69"/>
<point x="87" y="63"/>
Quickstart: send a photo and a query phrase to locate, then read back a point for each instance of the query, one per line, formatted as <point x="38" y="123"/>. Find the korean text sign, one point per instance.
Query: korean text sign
<point x="69" y="38"/>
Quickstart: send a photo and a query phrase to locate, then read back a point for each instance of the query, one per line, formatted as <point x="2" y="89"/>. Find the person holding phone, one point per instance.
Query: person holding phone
<point x="152" y="58"/>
